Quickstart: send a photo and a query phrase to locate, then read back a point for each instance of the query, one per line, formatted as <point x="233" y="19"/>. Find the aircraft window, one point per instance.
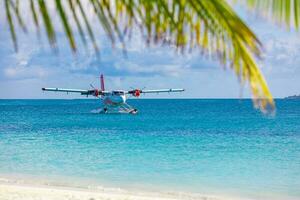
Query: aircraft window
<point x="118" y="92"/>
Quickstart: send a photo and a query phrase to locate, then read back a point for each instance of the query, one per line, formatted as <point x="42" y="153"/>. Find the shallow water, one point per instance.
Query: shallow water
<point x="200" y="146"/>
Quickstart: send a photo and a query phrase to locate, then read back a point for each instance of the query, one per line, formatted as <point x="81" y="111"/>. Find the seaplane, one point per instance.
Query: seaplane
<point x="113" y="101"/>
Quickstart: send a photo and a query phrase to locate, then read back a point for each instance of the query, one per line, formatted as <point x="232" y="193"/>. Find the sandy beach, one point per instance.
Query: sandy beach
<point x="12" y="190"/>
<point x="16" y="192"/>
<point x="20" y="189"/>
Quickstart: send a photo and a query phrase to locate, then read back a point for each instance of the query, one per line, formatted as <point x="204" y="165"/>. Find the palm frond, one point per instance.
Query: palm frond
<point x="11" y="24"/>
<point x="17" y="13"/>
<point x="81" y="32"/>
<point x="284" y="12"/>
<point x="66" y="25"/>
<point x="35" y="16"/>
<point x="88" y="26"/>
<point x="209" y="25"/>
<point x="48" y="24"/>
<point x="99" y="10"/>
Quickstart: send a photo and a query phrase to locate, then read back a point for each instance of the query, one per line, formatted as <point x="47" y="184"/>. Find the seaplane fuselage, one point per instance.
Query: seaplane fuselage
<point x="114" y="98"/>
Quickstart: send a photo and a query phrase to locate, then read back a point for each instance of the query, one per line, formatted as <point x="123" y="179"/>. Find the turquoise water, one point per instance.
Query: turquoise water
<point x="198" y="146"/>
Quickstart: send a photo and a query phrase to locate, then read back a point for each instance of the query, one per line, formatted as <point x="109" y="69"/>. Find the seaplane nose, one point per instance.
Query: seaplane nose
<point x="123" y="98"/>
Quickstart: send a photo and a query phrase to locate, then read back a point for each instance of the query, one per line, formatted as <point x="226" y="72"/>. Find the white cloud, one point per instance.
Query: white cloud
<point x="282" y="55"/>
<point x="20" y="72"/>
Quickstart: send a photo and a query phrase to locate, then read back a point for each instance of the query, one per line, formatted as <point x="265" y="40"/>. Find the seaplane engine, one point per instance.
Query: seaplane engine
<point x="96" y="93"/>
<point x="136" y="93"/>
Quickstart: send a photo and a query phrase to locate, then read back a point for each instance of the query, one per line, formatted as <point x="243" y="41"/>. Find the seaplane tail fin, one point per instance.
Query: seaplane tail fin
<point x="102" y="82"/>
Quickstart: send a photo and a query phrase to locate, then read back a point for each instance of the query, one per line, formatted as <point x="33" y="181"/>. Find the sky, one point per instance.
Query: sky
<point x="35" y="65"/>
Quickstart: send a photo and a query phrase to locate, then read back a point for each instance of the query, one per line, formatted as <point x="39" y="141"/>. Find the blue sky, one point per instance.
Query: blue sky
<point x="23" y="74"/>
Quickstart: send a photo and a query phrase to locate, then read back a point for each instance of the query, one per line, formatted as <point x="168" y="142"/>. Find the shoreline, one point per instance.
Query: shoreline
<point x="19" y="187"/>
<point x="16" y="189"/>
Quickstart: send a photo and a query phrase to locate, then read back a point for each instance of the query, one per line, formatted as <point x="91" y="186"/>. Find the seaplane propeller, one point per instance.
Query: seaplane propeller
<point x="95" y="91"/>
<point x="137" y="92"/>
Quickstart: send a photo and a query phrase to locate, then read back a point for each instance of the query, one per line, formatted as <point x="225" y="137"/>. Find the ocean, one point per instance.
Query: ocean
<point x="202" y="146"/>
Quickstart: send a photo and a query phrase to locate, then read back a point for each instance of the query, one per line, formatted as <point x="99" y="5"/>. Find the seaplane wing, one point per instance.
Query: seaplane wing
<point x="65" y="90"/>
<point x="162" y="90"/>
<point x="93" y="92"/>
<point x="137" y="92"/>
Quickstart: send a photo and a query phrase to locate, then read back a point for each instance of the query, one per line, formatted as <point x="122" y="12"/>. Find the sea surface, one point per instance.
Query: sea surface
<point x="214" y="147"/>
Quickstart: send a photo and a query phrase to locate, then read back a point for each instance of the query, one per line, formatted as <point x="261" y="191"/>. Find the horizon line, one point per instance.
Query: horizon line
<point x="200" y="98"/>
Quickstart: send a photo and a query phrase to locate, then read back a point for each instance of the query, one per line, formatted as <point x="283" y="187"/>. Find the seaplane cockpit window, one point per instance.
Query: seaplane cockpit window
<point x="118" y="92"/>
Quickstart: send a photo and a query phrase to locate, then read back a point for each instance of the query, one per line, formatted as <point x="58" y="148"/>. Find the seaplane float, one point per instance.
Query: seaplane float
<point x="113" y="101"/>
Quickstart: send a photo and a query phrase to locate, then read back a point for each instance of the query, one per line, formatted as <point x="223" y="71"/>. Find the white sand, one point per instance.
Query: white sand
<point x="15" y="191"/>
<point x="30" y="188"/>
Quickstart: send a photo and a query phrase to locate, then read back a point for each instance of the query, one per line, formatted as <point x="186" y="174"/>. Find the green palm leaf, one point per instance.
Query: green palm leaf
<point x="88" y="26"/>
<point x="11" y="25"/>
<point x="48" y="24"/>
<point x="282" y="11"/>
<point x="74" y="14"/>
<point x="66" y="25"/>
<point x="34" y="16"/>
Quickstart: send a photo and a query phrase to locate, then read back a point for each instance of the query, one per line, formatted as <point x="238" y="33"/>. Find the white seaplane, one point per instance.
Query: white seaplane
<point x="113" y="101"/>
